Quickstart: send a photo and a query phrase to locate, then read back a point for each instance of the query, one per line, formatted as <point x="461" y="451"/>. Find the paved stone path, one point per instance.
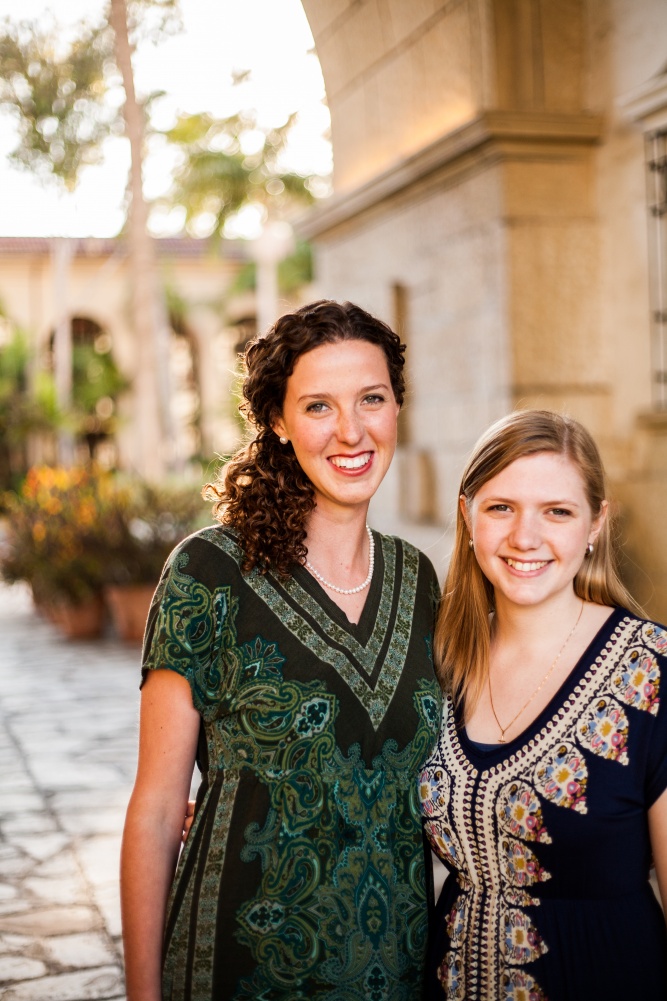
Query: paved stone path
<point x="68" y="728"/>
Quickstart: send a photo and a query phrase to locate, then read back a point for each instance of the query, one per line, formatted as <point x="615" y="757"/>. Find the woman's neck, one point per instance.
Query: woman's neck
<point x="338" y="546"/>
<point x="529" y="625"/>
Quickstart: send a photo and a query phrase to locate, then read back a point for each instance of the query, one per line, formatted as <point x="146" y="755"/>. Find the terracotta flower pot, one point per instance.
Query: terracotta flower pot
<point x="129" y="604"/>
<point x="84" y="621"/>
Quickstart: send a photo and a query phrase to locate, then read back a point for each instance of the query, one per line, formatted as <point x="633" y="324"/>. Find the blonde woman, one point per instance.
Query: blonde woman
<point x="545" y="795"/>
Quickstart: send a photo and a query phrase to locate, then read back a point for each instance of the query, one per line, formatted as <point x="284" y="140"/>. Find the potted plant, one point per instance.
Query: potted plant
<point x="143" y="523"/>
<point x="53" y="541"/>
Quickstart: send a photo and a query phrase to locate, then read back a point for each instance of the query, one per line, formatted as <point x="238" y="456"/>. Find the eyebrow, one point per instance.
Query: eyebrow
<point x="325" y="395"/>
<point x="551" y="503"/>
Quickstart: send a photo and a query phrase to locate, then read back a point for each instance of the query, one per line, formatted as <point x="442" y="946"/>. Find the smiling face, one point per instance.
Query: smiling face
<point x="530" y="525"/>
<point x="340" y="415"/>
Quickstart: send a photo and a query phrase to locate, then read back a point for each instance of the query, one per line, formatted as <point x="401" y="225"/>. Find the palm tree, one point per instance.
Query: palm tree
<point x="149" y="313"/>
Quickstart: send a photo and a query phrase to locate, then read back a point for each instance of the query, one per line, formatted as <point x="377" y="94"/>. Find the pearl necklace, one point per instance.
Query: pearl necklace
<point x="350" y="590"/>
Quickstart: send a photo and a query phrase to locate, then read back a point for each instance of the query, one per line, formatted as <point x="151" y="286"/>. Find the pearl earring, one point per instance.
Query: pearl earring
<point x="589" y="549"/>
<point x="471" y="544"/>
<point x="283" y="440"/>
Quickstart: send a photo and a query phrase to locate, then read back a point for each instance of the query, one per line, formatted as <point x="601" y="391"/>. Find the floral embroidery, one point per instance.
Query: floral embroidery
<point x="655" y="637"/>
<point x="518" y="864"/>
<point x="522" y="940"/>
<point x="637" y="680"/>
<point x="562" y="776"/>
<point x="442" y="841"/>
<point x="451" y="976"/>
<point x="433" y="792"/>
<point x="604" y="730"/>
<point x="520" y="986"/>
<point x="519" y="813"/>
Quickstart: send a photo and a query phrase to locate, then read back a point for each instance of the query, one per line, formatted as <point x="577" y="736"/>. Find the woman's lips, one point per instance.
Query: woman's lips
<point x="525" y="566"/>
<point x="352" y="464"/>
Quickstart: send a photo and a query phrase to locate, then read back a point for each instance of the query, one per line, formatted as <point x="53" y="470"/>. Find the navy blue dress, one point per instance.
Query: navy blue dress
<point x="547" y="838"/>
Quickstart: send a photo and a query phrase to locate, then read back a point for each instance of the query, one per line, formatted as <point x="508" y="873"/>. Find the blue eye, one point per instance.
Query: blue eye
<point x="373" y="398"/>
<point x="316" y="408"/>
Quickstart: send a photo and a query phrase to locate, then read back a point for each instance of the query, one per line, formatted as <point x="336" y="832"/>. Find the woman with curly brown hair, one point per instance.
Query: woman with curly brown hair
<point x="288" y="649"/>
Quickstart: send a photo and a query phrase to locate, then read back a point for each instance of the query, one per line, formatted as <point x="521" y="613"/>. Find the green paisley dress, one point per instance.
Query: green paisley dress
<point x="303" y="874"/>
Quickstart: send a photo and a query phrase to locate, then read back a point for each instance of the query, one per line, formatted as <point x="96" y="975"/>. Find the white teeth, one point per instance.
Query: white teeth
<point x="351" y="462"/>
<point x="525" y="567"/>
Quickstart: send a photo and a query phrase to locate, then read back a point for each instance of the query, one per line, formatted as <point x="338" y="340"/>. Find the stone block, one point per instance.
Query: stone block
<point x="408" y="18"/>
<point x="85" y="985"/>
<point x="322" y="15"/>
<point x="563" y="56"/>
<point x="43" y="846"/>
<point x="71" y="890"/>
<point x="51" y="921"/>
<point x="27" y="823"/>
<point x="555" y="185"/>
<point x="81" y="951"/>
<point x="19" y="945"/>
<point x="553" y="303"/>
<point x="19" y="968"/>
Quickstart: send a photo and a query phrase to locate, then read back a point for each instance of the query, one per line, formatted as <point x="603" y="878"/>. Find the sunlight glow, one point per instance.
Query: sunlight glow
<point x="269" y="38"/>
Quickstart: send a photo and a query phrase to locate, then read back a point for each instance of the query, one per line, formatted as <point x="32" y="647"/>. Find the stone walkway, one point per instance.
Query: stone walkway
<point x="68" y="734"/>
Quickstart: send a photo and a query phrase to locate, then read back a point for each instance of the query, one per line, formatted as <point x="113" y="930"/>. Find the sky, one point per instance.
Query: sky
<point x="271" y="38"/>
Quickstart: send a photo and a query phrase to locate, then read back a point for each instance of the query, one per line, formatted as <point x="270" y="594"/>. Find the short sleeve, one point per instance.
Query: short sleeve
<point x="182" y="628"/>
<point x="655" y="638"/>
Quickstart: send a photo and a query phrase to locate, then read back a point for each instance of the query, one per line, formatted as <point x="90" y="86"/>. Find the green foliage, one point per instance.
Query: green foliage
<point x="22" y="412"/>
<point x="142" y="524"/>
<point x="56" y="93"/>
<point x="293" y="272"/>
<point x="55" y="534"/>
<point x="297" y="269"/>
<point x="55" y="84"/>
<point x="95" y="385"/>
<point x="72" y="531"/>
<point x="215" y="177"/>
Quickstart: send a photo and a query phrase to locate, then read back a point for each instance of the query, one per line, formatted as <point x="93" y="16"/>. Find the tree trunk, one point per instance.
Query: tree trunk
<point x="62" y="251"/>
<point x="152" y="436"/>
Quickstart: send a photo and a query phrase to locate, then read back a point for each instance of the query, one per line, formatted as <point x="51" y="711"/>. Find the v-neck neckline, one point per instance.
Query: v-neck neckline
<point x="588" y="656"/>
<point x="362" y="629"/>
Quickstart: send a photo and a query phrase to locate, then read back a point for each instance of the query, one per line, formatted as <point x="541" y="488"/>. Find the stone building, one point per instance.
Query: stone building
<point x="500" y="193"/>
<point x="93" y="294"/>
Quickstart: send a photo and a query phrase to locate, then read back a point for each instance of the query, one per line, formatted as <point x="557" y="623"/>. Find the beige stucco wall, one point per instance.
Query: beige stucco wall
<point x="98" y="288"/>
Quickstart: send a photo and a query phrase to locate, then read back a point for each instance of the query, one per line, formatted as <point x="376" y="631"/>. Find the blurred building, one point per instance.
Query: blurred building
<point x="500" y="194"/>
<point x="86" y="284"/>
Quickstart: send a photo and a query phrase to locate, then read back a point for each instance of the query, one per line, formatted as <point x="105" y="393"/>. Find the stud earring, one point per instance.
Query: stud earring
<point x="283" y="440"/>
<point x="471" y="544"/>
<point x="589" y="549"/>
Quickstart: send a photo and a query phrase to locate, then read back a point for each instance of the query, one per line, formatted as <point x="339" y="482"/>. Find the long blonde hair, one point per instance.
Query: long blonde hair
<point x="462" y="633"/>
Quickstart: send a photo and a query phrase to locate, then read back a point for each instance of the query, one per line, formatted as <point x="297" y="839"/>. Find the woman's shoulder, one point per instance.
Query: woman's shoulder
<point x="639" y="630"/>
<point x="205" y="550"/>
<point x="421" y="562"/>
<point x="397" y="542"/>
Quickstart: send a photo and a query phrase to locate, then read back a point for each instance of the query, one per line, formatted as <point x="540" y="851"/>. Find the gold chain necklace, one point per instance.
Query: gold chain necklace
<point x="504" y="729"/>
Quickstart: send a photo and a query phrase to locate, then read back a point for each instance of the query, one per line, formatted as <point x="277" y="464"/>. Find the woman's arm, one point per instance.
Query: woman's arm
<point x="168" y="732"/>
<point x="657" y="823"/>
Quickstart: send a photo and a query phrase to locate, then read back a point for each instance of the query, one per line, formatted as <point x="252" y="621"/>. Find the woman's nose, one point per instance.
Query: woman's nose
<point x="525" y="533"/>
<point x="350" y="428"/>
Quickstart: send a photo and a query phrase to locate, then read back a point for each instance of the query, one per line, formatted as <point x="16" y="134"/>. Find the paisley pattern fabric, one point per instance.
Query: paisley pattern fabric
<point x="303" y="874"/>
<point x="547" y="841"/>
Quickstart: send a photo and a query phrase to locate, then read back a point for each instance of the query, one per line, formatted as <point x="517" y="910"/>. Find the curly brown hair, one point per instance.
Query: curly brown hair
<point x="262" y="492"/>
